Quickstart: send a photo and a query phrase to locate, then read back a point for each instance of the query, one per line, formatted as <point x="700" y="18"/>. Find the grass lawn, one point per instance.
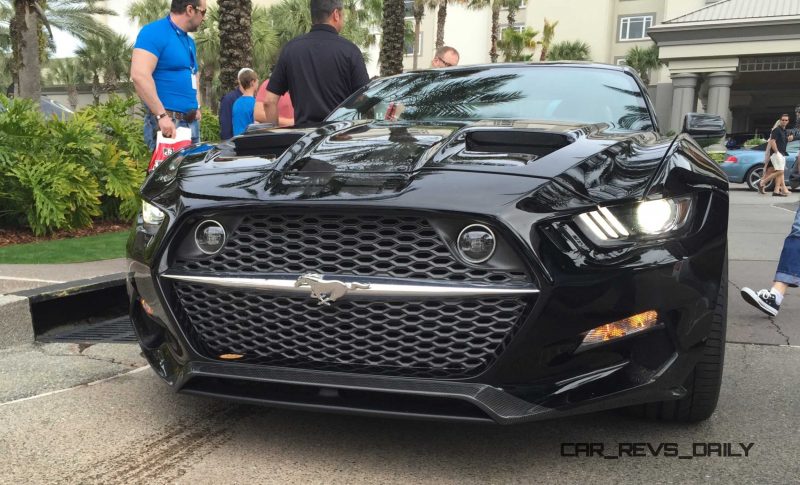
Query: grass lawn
<point x="75" y="250"/>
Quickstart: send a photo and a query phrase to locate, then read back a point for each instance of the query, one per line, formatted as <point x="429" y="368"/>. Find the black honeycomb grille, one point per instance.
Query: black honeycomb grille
<point x="436" y="339"/>
<point x="361" y="245"/>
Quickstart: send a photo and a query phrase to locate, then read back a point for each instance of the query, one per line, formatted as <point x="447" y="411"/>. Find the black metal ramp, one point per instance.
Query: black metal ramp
<point x="115" y="330"/>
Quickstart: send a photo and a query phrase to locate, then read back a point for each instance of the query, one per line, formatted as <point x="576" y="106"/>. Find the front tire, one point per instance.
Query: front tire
<point x="704" y="382"/>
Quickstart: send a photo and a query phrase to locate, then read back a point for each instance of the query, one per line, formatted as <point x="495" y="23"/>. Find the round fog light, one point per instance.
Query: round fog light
<point x="209" y="236"/>
<point x="476" y="243"/>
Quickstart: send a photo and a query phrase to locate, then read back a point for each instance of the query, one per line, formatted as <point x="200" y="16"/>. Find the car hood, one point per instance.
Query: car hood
<point x="591" y="160"/>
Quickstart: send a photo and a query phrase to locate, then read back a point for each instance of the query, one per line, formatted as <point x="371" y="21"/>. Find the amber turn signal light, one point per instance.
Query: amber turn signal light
<point x="621" y="328"/>
<point x="231" y="356"/>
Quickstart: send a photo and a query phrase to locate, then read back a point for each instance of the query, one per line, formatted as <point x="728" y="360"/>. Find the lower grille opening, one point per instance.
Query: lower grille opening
<point x="373" y="402"/>
<point x="429" y="339"/>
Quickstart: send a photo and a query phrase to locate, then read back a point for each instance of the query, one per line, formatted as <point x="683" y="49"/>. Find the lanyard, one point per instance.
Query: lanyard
<point x="181" y="34"/>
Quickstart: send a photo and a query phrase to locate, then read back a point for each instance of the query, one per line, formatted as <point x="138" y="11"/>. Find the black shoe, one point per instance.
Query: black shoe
<point x="777" y="194"/>
<point x="764" y="300"/>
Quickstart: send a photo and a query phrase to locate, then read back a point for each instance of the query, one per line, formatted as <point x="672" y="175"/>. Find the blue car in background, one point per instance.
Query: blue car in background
<point x="746" y="166"/>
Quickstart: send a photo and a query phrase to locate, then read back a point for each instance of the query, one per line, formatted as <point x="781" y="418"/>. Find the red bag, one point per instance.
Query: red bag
<point x="167" y="146"/>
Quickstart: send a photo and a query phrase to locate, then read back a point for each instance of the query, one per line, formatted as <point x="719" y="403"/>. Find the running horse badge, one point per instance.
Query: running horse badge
<point x="327" y="291"/>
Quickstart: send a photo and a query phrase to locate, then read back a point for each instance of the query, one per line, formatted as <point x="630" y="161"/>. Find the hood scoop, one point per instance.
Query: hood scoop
<point x="536" y="143"/>
<point x="270" y="144"/>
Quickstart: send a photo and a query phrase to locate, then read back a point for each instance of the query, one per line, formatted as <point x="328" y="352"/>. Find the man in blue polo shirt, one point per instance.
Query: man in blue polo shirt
<point x="164" y="71"/>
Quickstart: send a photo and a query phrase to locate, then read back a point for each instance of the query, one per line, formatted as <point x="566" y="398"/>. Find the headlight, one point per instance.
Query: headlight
<point x="643" y="221"/>
<point x="151" y="214"/>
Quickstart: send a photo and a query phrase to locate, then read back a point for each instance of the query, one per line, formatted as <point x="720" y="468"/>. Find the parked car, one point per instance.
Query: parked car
<point x="746" y="166"/>
<point x="50" y="108"/>
<point x="501" y="243"/>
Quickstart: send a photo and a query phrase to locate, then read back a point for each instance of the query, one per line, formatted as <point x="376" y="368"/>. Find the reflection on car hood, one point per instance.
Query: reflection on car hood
<point x="592" y="162"/>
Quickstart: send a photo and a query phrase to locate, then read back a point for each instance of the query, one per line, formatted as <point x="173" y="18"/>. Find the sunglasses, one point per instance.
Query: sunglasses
<point x="446" y="64"/>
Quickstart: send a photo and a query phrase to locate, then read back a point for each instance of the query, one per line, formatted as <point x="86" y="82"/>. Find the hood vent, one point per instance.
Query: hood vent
<point x="266" y="143"/>
<point x="535" y="143"/>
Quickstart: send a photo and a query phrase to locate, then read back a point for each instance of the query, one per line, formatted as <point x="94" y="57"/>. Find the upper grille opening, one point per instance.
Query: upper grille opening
<point x="359" y="245"/>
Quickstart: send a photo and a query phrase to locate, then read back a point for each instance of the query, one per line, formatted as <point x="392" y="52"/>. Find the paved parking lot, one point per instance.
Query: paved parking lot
<point x="127" y="427"/>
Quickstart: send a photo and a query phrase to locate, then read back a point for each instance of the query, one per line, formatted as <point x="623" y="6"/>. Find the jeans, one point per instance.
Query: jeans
<point x="789" y="264"/>
<point x="151" y="128"/>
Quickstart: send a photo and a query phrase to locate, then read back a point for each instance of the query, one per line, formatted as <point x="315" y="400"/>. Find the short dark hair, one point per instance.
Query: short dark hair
<point x="786" y="115"/>
<point x="179" y="6"/>
<point x="321" y="10"/>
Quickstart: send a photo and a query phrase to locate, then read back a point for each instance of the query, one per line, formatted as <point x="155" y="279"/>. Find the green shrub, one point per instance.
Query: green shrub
<point x="57" y="174"/>
<point x="209" y="125"/>
<point x="718" y="157"/>
<point x="754" y="142"/>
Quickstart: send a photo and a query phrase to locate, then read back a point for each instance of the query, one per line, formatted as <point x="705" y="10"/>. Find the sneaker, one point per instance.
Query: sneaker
<point x="764" y="300"/>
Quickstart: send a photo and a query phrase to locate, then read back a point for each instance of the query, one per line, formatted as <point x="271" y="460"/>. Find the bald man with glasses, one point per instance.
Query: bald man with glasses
<point x="445" y="56"/>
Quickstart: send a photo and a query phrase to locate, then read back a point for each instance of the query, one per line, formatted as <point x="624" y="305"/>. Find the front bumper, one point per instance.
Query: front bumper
<point x="542" y="371"/>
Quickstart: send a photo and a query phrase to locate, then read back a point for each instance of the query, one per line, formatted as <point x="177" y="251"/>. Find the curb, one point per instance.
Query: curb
<point x="29" y="313"/>
<point x="16" y="325"/>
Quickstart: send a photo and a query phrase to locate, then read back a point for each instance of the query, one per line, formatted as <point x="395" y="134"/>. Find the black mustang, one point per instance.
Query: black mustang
<point x="494" y="243"/>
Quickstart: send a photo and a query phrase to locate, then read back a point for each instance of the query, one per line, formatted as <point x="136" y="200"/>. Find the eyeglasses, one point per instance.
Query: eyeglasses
<point x="201" y="10"/>
<point x="446" y="64"/>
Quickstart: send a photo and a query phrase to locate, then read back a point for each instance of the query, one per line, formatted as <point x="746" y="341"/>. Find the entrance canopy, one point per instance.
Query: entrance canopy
<point x="740" y="58"/>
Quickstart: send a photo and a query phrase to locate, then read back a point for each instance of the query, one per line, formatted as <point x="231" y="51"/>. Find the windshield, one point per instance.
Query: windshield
<point x="557" y="93"/>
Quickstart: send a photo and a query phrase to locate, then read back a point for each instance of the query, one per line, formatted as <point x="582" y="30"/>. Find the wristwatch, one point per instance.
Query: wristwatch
<point x="158" y="117"/>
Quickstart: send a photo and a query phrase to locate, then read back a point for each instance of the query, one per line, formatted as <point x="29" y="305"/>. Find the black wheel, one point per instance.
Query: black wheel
<point x="705" y="380"/>
<point x="754" y="176"/>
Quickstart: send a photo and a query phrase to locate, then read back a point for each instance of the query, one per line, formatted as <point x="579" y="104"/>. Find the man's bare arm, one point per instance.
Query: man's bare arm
<point x="271" y="108"/>
<point x="143" y="63"/>
<point x="258" y="113"/>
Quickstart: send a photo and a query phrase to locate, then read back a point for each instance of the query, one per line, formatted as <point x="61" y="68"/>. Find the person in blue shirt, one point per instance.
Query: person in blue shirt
<point x="244" y="107"/>
<point x="226" y="108"/>
<point x="164" y="71"/>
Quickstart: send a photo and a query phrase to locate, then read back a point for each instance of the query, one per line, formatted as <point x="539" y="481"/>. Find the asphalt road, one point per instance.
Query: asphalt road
<point x="130" y="428"/>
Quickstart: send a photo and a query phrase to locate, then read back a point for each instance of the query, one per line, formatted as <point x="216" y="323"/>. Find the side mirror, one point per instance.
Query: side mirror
<point x="704" y="126"/>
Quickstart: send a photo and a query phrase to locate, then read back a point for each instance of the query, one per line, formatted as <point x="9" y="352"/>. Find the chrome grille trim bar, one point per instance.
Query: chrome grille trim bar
<point x="286" y="285"/>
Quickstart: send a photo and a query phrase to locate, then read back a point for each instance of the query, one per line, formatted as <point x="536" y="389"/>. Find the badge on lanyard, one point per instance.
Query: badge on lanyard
<point x="192" y="60"/>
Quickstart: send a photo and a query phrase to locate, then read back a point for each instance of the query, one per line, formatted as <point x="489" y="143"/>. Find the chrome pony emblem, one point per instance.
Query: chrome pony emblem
<point x="327" y="291"/>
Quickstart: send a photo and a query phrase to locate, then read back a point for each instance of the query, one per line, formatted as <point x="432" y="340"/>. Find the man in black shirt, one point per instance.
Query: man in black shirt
<point x="777" y="143"/>
<point x="320" y="69"/>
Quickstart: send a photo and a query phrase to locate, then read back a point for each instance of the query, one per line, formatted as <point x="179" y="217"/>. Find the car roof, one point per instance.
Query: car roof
<point x="504" y="65"/>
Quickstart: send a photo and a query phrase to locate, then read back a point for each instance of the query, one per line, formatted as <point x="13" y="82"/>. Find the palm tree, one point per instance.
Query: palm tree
<point x="418" y="9"/>
<point x="235" y="40"/>
<point x="29" y="20"/>
<point x="496" y="5"/>
<point x="513" y="8"/>
<point x="392" y="40"/>
<point x="146" y="11"/>
<point x="68" y="72"/>
<point x="569" y="51"/>
<point x="643" y="60"/>
<point x="117" y="51"/>
<point x="207" y="40"/>
<point x="93" y="57"/>
<point x="291" y="18"/>
<point x="513" y="44"/>
<point x="548" y="33"/>
<point x="265" y="51"/>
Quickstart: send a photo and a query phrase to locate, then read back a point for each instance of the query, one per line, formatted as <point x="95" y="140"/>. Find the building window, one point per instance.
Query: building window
<point x="409" y="5"/>
<point x="634" y="28"/>
<point x="409" y="46"/>
<point x="519" y="27"/>
<point x="620" y="61"/>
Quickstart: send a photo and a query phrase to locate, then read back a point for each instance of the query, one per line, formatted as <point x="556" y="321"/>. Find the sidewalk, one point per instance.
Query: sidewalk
<point x="18" y="277"/>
